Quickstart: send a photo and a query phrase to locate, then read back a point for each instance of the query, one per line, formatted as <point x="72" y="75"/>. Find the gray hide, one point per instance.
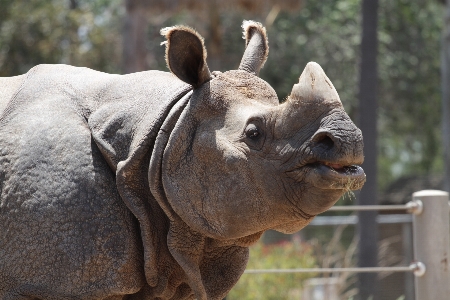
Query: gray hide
<point x="152" y="185"/>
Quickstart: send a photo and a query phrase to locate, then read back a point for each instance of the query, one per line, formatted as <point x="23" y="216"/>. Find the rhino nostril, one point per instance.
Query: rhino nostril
<point x="324" y="141"/>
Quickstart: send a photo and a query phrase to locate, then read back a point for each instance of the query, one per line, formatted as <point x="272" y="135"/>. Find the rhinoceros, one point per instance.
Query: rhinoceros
<point x="153" y="185"/>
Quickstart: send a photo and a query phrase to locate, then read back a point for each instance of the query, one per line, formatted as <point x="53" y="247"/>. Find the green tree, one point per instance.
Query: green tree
<point x="410" y="109"/>
<point x="38" y="31"/>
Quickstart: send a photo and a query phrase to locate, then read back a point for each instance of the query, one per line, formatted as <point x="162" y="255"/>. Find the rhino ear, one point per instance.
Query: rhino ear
<point x="186" y="55"/>
<point x="257" y="47"/>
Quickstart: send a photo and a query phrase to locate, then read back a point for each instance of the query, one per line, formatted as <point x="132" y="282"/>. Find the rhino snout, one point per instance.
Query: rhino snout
<point x="340" y="142"/>
<point x="330" y="148"/>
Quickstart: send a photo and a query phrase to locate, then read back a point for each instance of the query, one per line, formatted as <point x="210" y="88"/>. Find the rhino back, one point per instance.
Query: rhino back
<point x="65" y="229"/>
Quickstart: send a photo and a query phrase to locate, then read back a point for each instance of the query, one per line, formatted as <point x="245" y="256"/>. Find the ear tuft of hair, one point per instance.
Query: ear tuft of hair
<point x="249" y="25"/>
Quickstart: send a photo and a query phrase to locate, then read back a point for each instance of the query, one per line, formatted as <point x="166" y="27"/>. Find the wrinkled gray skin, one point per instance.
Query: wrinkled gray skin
<point x="153" y="185"/>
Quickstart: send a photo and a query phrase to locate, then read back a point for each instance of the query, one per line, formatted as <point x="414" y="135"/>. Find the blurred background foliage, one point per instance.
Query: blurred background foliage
<point x="275" y="286"/>
<point x="90" y="34"/>
<point x="81" y="33"/>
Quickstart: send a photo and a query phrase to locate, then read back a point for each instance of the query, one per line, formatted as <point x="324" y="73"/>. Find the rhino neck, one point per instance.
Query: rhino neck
<point x="132" y="178"/>
<point x="210" y="267"/>
<point x="125" y="128"/>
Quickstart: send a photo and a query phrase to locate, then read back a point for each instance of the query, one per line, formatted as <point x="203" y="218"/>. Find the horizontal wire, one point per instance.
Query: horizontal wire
<point x="368" y="207"/>
<point x="411" y="268"/>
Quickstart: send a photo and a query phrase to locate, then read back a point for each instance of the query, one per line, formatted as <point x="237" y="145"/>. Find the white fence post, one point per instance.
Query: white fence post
<point x="432" y="245"/>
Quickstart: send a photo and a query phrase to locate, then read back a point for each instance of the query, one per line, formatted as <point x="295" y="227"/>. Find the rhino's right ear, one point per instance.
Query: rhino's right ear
<point x="186" y="55"/>
<point x="257" y="47"/>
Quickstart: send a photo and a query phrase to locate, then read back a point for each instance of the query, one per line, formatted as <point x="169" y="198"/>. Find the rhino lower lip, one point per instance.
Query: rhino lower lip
<point x="336" y="176"/>
<point x="341" y="171"/>
<point x="351" y="170"/>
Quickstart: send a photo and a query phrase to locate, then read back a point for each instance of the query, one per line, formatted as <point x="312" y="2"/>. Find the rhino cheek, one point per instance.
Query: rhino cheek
<point x="221" y="209"/>
<point x="212" y="190"/>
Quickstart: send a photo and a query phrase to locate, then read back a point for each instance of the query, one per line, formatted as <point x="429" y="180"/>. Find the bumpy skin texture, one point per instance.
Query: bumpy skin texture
<point x="66" y="232"/>
<point x="149" y="186"/>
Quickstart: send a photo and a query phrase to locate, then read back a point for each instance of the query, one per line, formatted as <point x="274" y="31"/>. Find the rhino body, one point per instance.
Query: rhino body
<point x="152" y="185"/>
<point x="62" y="216"/>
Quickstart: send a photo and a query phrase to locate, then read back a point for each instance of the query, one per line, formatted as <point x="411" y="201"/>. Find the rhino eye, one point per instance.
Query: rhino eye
<point x="252" y="132"/>
<point x="254" y="136"/>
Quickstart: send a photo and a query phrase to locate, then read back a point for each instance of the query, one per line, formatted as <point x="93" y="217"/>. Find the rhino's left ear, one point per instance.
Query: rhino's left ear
<point x="186" y="55"/>
<point x="257" y="47"/>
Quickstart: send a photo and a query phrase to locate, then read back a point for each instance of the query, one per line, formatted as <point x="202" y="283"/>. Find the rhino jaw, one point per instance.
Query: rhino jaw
<point x="332" y="179"/>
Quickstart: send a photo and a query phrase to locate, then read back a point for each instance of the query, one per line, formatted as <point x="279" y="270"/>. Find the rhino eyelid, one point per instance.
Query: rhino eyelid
<point x="257" y="121"/>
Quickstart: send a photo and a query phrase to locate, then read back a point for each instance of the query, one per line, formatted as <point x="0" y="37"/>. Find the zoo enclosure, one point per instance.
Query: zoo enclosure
<point x="431" y="244"/>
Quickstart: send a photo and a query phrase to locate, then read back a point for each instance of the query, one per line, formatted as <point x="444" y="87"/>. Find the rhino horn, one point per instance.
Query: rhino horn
<point x="186" y="55"/>
<point x="257" y="47"/>
<point x="314" y="87"/>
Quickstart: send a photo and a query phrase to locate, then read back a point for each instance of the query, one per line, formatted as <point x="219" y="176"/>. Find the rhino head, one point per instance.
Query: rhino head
<point x="240" y="162"/>
<point x="235" y="162"/>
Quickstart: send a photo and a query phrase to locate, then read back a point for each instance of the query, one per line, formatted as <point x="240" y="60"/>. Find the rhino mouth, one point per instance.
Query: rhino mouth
<point x="342" y="171"/>
<point x="330" y="175"/>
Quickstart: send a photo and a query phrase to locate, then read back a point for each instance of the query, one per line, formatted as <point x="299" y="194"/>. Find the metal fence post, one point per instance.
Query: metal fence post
<point x="432" y="245"/>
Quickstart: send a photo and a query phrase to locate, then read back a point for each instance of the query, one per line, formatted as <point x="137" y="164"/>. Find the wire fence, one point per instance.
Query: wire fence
<point x="429" y="214"/>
